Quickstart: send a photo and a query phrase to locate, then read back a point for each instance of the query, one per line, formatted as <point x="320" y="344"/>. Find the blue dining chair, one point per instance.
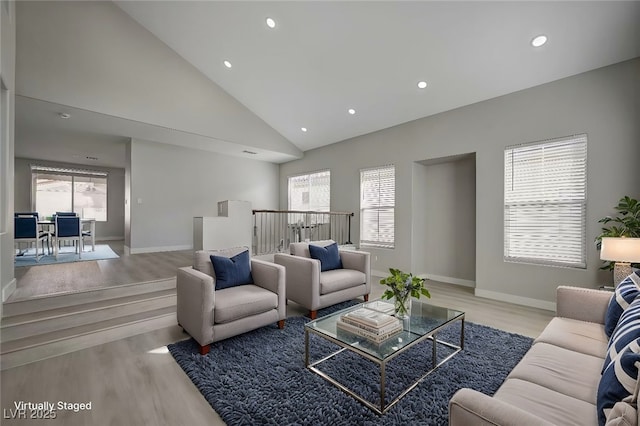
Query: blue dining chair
<point x="66" y="214"/>
<point x="67" y="228"/>
<point x="26" y="231"/>
<point x="26" y="214"/>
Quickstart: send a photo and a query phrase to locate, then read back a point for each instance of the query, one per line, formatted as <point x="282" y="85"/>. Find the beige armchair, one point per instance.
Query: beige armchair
<point x="210" y="315"/>
<point x="313" y="289"/>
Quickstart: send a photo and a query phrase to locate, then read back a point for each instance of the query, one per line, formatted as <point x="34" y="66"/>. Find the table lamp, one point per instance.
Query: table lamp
<point x="623" y="251"/>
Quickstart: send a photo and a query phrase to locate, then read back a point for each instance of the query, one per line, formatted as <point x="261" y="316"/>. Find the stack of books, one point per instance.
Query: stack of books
<point x="372" y="325"/>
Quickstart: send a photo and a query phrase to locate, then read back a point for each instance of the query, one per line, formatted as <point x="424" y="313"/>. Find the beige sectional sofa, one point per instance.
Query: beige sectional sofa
<point x="556" y="382"/>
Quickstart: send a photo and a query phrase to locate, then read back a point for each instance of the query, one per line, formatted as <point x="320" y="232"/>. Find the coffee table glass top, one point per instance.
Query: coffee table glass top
<point x="424" y="320"/>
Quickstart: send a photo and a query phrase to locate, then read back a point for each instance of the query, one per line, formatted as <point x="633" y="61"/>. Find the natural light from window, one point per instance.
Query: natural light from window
<point x="377" y="207"/>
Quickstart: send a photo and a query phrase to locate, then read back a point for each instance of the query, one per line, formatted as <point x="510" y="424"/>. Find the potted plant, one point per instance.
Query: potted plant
<point x="625" y="224"/>
<point x="402" y="287"/>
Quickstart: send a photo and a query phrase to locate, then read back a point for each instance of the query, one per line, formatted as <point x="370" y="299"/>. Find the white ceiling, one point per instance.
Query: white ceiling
<point x="325" y="57"/>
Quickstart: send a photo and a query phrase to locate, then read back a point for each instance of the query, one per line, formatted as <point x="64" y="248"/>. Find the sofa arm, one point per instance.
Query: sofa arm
<point x="359" y="261"/>
<point x="271" y="276"/>
<point x="195" y="300"/>
<point x="584" y="304"/>
<point x="302" y="278"/>
<point x="470" y="407"/>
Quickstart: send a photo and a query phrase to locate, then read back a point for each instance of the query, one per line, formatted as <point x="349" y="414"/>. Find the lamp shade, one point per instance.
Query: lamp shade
<point x="620" y="249"/>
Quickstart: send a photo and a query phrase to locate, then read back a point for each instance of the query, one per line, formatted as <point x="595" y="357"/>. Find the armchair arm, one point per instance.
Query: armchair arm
<point x="470" y="407"/>
<point x="585" y="304"/>
<point x="271" y="276"/>
<point x="195" y="301"/>
<point x="359" y="261"/>
<point x="302" y="278"/>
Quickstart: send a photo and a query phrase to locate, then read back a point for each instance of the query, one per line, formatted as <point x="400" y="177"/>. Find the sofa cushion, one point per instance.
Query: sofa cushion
<point x="627" y="330"/>
<point x="626" y="291"/>
<point x="243" y="301"/>
<point x="580" y="336"/>
<point x="340" y="279"/>
<point x="328" y="256"/>
<point x="571" y="373"/>
<point x="551" y="406"/>
<point x="619" y="381"/>
<point x="232" y="271"/>
<point x="622" y="414"/>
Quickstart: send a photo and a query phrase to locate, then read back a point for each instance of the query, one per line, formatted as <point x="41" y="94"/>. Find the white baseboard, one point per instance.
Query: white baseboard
<point x="518" y="300"/>
<point x="8" y="289"/>
<point x="109" y="238"/>
<point x="449" y="280"/>
<point x="158" y="249"/>
<point x="127" y="250"/>
<point x="379" y="273"/>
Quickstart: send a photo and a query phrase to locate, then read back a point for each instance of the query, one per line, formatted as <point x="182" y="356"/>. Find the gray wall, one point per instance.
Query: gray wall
<point x="112" y="229"/>
<point x="92" y="55"/>
<point x="176" y="184"/>
<point x="602" y="103"/>
<point x="444" y="218"/>
<point x="7" y="128"/>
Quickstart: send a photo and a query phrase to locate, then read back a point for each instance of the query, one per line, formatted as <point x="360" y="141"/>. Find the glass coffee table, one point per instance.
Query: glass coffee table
<point x="424" y="324"/>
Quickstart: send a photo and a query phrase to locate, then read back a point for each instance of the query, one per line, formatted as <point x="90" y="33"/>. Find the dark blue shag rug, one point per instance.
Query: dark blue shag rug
<point x="260" y="378"/>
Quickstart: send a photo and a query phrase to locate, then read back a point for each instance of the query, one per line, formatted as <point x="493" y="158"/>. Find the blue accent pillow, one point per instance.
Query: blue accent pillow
<point x="627" y="330"/>
<point x="618" y="382"/>
<point x="232" y="271"/>
<point x="624" y="294"/>
<point x="328" y="256"/>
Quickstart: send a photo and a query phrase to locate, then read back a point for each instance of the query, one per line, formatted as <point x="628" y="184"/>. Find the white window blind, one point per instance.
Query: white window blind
<point x="377" y="207"/>
<point x="545" y="196"/>
<point x="311" y="192"/>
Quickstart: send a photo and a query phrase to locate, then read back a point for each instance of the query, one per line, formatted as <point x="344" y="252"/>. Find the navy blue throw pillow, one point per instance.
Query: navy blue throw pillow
<point x="328" y="256"/>
<point x="618" y="382"/>
<point x="232" y="271"/>
<point x="620" y="300"/>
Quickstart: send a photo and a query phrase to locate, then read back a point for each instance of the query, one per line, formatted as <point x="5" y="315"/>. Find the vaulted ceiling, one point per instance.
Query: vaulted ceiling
<point x="323" y="58"/>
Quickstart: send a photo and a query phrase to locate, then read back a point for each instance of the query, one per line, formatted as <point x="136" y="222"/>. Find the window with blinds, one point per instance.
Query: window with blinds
<point x="311" y="192"/>
<point x="545" y="195"/>
<point x="57" y="189"/>
<point x="377" y="207"/>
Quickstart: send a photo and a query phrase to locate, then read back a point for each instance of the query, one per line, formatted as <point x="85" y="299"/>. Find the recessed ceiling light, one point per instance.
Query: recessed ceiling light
<point x="351" y="111"/>
<point x="271" y="23"/>
<point x="64" y="115"/>
<point x="227" y="64"/>
<point x="304" y="129"/>
<point x="422" y="84"/>
<point x="246" y="151"/>
<point x="539" y="40"/>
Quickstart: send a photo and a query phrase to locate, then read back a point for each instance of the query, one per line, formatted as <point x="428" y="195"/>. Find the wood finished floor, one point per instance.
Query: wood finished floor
<point x="44" y="280"/>
<point x="134" y="381"/>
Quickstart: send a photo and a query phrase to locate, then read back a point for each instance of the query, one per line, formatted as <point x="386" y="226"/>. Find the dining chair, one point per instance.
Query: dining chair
<point x="26" y="231"/>
<point x="26" y="214"/>
<point x="67" y="228"/>
<point x="66" y="214"/>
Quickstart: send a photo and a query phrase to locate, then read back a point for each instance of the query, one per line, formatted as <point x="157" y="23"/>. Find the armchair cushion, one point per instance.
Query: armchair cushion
<point x="242" y="301"/>
<point x="340" y="279"/>
<point x="328" y="256"/>
<point x="232" y="271"/>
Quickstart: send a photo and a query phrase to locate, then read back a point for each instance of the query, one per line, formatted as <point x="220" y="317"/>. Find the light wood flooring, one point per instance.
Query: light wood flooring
<point x="47" y="280"/>
<point x="134" y="381"/>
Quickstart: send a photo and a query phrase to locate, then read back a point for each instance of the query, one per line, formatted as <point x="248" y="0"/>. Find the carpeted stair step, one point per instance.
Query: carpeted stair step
<point x="42" y="346"/>
<point x="44" y="322"/>
<point x="13" y="308"/>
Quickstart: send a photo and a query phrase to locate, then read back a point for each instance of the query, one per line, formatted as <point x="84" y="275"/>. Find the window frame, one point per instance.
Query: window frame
<point x="377" y="242"/>
<point x="308" y="175"/>
<point x="554" y="198"/>
<point x="74" y="173"/>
